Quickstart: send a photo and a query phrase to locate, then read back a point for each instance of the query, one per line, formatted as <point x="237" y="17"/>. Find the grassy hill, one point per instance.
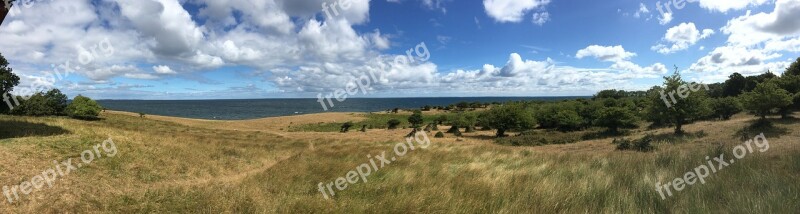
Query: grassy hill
<point x="168" y="165"/>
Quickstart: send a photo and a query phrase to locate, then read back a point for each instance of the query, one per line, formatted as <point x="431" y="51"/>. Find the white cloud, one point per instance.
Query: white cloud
<point x="163" y="69"/>
<point x="605" y="53"/>
<point x="620" y="58"/>
<point x="541" y="18"/>
<point x="782" y="23"/>
<point x="728" y="5"/>
<point x="756" y="42"/>
<point x="681" y="37"/>
<point x="511" y="10"/>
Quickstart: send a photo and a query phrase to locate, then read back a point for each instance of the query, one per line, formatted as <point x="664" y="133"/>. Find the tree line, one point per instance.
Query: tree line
<point x="762" y="95"/>
<point x="50" y="103"/>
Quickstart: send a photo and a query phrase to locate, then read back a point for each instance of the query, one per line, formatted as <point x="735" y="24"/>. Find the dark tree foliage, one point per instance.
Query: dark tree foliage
<point x="7" y="82"/>
<point x="52" y="103"/>
<point x="416" y="119"/>
<point x="734" y="86"/>
<point x="794" y="69"/>
<point x="393" y="123"/>
<point x="765" y="98"/>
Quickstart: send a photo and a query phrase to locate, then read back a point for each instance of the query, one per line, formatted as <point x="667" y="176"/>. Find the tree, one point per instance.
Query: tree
<point x="790" y="83"/>
<point x="680" y="110"/>
<point x="83" y="108"/>
<point x="615" y="118"/>
<point x="767" y="96"/>
<point x="52" y="103"/>
<point x="794" y="69"/>
<point x="393" y="123"/>
<point x="725" y="108"/>
<point x="508" y="117"/>
<point x="568" y="120"/>
<point x="57" y="101"/>
<point x="734" y="85"/>
<point x="416" y="119"/>
<point x="7" y="82"/>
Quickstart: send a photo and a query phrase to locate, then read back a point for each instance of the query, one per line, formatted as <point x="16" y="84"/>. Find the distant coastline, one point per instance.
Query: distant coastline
<point x="243" y="109"/>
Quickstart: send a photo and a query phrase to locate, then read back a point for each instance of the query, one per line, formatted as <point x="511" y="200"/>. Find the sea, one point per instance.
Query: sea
<point x="262" y="108"/>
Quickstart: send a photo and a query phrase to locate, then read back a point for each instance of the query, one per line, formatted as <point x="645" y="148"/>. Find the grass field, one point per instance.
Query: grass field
<point x="168" y="165"/>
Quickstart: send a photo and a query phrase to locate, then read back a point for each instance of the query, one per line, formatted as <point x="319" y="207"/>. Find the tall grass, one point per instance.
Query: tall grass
<point x="168" y="168"/>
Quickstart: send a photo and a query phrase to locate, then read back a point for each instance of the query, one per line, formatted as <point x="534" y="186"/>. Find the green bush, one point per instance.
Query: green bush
<point x="615" y="118"/>
<point x="644" y="144"/>
<point x="346" y="127"/>
<point x="83" y="108"/>
<point x="725" y="108"/>
<point x="416" y="119"/>
<point x="539" y="138"/>
<point x="393" y="123"/>
<point x="439" y="135"/>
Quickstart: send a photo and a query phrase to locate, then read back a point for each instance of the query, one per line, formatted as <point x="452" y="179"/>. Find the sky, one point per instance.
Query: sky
<point x="241" y="49"/>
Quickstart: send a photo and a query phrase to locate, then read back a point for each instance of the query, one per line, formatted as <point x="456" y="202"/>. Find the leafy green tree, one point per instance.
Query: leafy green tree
<point x="568" y="120"/>
<point x="57" y="101"/>
<point x="83" y="108"/>
<point x="790" y="83"/>
<point x="7" y="82"/>
<point x="511" y="116"/>
<point x="613" y="94"/>
<point x="725" y="108"/>
<point x="615" y="118"/>
<point x="679" y="111"/>
<point x="416" y="119"/>
<point x="52" y="103"/>
<point x="794" y="69"/>
<point x="734" y="86"/>
<point x="765" y="98"/>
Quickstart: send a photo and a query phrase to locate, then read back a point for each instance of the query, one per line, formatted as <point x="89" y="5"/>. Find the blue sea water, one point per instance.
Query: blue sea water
<point x="261" y="108"/>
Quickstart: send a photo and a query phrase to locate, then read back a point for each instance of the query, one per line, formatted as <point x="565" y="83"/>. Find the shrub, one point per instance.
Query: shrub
<point x="439" y="135"/>
<point x="453" y="129"/>
<point x="363" y="128"/>
<point x="393" y="123"/>
<point x="416" y="119"/>
<point x="83" y="108"/>
<point x="764" y="98"/>
<point x="539" y="138"/>
<point x="724" y="108"/>
<point x="642" y="145"/>
<point x="614" y="118"/>
<point x="346" y="127"/>
<point x="457" y="133"/>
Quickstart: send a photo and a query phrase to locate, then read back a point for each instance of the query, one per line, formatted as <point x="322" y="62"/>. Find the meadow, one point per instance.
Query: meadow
<point x="168" y="165"/>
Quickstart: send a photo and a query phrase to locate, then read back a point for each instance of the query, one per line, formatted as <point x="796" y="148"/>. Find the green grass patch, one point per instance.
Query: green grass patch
<point x="372" y="121"/>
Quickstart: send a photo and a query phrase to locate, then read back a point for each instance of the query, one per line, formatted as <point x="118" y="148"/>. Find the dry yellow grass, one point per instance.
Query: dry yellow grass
<point x="168" y="165"/>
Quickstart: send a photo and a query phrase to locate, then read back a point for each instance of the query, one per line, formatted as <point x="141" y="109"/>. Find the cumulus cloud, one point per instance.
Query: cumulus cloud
<point x="681" y="37"/>
<point x="621" y="59"/>
<point x="163" y="69"/>
<point x="605" y="53"/>
<point x="728" y="5"/>
<point x="756" y="42"/>
<point x="511" y="10"/>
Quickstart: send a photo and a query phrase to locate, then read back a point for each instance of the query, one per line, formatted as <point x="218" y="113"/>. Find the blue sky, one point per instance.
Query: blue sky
<point x="232" y="49"/>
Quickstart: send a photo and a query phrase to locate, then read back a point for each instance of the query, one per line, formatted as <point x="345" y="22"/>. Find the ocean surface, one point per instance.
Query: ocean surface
<point x="261" y="108"/>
